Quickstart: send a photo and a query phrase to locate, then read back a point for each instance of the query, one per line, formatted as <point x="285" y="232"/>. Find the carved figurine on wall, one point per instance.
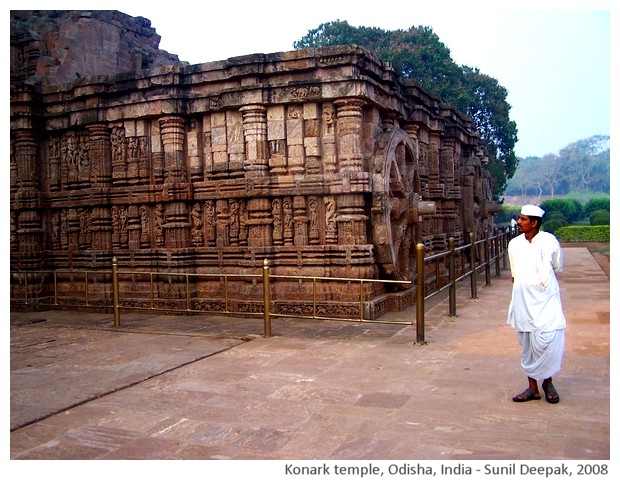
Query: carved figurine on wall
<point x="196" y="215"/>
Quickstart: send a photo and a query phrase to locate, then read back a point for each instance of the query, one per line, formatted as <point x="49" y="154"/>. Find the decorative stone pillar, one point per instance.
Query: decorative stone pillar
<point x="133" y="227"/>
<point x="256" y="146"/>
<point x="433" y="158"/>
<point x="468" y="180"/>
<point x="177" y="226"/>
<point x="351" y="220"/>
<point x="196" y="166"/>
<point x="446" y="161"/>
<point x="73" y="229"/>
<point x="412" y="131"/>
<point x="85" y="233"/>
<point x="100" y="156"/>
<point x="29" y="229"/>
<point x="101" y="228"/>
<point x="349" y="128"/>
<point x="259" y="222"/>
<point x="173" y="139"/>
<point x="300" y="219"/>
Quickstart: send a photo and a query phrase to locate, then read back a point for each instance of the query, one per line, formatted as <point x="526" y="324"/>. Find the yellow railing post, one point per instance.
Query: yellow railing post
<point x="266" y="298"/>
<point x="472" y="263"/>
<point x="452" y="278"/>
<point x="487" y="259"/>
<point x="419" y="250"/>
<point x="504" y="249"/>
<point x="117" y="315"/>
<point x="496" y="249"/>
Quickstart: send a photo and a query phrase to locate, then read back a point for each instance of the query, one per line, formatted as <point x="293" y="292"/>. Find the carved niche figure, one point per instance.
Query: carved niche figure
<point x="221" y="224"/>
<point x="234" y="222"/>
<point x="210" y="228"/>
<point x="158" y="215"/>
<point x="331" y="227"/>
<point x="287" y="212"/>
<point x="145" y="240"/>
<point x="313" y="208"/>
<point x="243" y="222"/>
<point x="196" y="215"/>
<point x="276" y="212"/>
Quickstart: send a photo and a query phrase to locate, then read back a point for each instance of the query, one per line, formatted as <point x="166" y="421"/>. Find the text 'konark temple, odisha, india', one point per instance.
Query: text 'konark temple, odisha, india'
<point x="317" y="162"/>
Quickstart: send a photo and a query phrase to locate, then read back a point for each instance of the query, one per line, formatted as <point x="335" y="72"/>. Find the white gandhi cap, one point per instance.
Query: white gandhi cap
<point x="532" y="211"/>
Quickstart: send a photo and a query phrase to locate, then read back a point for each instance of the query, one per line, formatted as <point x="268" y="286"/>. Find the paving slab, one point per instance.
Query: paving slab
<point x="214" y="388"/>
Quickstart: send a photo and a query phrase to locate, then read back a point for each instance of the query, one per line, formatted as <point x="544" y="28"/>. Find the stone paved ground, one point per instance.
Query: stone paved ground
<point x="178" y="387"/>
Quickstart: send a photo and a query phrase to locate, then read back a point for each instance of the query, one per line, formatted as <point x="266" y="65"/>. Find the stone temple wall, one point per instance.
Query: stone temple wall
<point x="322" y="161"/>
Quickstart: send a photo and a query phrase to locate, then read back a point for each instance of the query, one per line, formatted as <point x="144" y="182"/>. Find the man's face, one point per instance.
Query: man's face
<point x="524" y="224"/>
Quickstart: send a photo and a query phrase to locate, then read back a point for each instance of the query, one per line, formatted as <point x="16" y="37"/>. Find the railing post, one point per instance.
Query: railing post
<point x="266" y="298"/>
<point x="487" y="260"/>
<point x="361" y="300"/>
<point x="452" y="278"/>
<point x="117" y="315"/>
<point x="419" y="249"/>
<point x="187" y="306"/>
<point x="496" y="247"/>
<point x="472" y="263"/>
<point x="504" y="249"/>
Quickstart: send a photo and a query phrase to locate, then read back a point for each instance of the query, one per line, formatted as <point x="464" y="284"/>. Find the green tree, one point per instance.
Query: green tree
<point x="588" y="160"/>
<point x="581" y="169"/>
<point x="418" y="53"/>
<point x="597" y="204"/>
<point x="566" y="206"/>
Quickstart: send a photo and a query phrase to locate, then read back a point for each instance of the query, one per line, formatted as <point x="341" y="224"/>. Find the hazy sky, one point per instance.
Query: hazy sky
<point x="553" y="56"/>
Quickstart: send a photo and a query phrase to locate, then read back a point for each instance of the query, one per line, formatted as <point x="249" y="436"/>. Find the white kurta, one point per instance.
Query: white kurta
<point x="536" y="304"/>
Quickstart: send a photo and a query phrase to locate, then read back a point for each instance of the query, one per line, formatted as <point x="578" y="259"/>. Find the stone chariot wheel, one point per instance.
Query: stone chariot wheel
<point x="396" y="204"/>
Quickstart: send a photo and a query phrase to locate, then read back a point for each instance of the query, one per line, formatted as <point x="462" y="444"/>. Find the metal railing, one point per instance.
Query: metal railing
<point x="473" y="257"/>
<point x="467" y="260"/>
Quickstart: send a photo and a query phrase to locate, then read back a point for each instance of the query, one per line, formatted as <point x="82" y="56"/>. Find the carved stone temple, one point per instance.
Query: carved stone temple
<point x="325" y="162"/>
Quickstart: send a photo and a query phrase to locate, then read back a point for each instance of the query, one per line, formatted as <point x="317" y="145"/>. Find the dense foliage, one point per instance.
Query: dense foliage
<point x="581" y="167"/>
<point x="571" y="209"/>
<point x="418" y="53"/>
<point x="583" y="234"/>
<point x="597" y="204"/>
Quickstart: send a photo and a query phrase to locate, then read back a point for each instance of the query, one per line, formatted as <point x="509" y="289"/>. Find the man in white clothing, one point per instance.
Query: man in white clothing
<point x="535" y="310"/>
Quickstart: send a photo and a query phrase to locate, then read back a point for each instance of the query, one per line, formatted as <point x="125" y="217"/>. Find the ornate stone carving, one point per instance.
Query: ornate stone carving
<point x="317" y="172"/>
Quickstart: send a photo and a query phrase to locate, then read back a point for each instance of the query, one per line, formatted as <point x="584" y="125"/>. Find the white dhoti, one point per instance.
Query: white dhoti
<point x="541" y="353"/>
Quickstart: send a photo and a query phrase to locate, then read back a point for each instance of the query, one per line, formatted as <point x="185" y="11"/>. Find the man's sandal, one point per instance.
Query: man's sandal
<point x="551" y="394"/>
<point x="525" y="396"/>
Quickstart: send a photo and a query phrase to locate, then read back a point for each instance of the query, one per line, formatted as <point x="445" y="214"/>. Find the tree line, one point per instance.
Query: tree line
<point x="581" y="170"/>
